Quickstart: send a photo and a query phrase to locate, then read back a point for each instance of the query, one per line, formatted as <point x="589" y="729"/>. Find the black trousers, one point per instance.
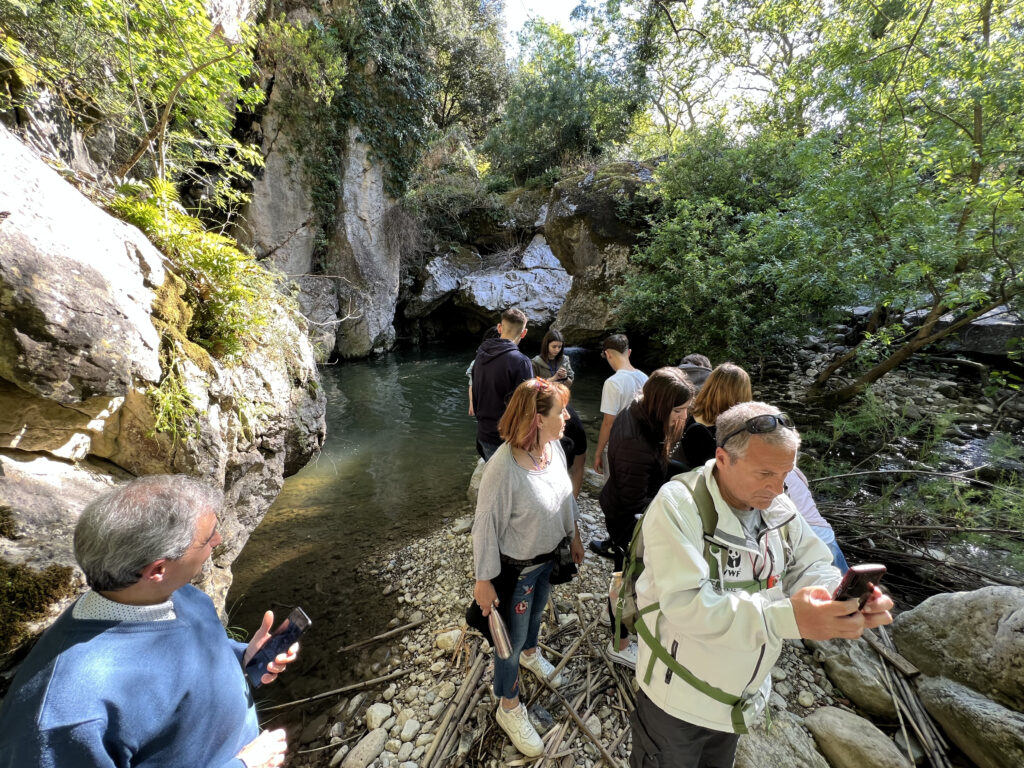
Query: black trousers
<point x="663" y="741"/>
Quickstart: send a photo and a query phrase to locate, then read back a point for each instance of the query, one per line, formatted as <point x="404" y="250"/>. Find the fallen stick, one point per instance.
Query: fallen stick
<point x="459" y="729"/>
<point x="582" y="726"/>
<point x="382" y="636"/>
<point x="475" y="670"/>
<point x="891" y="655"/>
<point x="336" y="691"/>
<point x="615" y="743"/>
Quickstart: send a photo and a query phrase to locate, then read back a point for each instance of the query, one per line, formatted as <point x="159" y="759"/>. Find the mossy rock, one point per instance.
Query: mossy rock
<point x="607" y="206"/>
<point x="26" y="595"/>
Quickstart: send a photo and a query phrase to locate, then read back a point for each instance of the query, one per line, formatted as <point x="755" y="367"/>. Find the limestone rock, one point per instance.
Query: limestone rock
<point x="849" y="741"/>
<point x="438" y="281"/>
<point x="376" y="715"/>
<point x="538" y="286"/>
<point x="990" y="734"/>
<point x="367" y="750"/>
<point x="79" y="351"/>
<point x="361" y="252"/>
<point x="278" y="223"/>
<point x="76" y="288"/>
<point x="446" y="640"/>
<point x="410" y="729"/>
<point x="786" y="746"/>
<point x="474" y="483"/>
<point x="591" y="239"/>
<point x="48" y="127"/>
<point x="851" y="666"/>
<point x="973" y="638"/>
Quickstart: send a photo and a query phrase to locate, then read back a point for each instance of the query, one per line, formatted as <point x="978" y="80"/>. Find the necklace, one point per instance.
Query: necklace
<point x="543" y="458"/>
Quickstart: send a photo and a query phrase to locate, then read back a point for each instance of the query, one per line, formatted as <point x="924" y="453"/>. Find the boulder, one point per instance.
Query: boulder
<point x="362" y="255"/>
<point x="990" y="734"/>
<point x="537" y="284"/>
<point x="849" y="741"/>
<point x="76" y="288"/>
<point x="973" y="638"/>
<point x="852" y="666"/>
<point x="786" y="745"/>
<point x="591" y="236"/>
<point x="376" y="715"/>
<point x="367" y="750"/>
<point x="82" y="296"/>
<point x="44" y="123"/>
<point x="439" y="280"/>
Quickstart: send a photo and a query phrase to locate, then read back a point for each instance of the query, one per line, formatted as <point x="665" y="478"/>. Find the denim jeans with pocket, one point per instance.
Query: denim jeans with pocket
<point x="529" y="599"/>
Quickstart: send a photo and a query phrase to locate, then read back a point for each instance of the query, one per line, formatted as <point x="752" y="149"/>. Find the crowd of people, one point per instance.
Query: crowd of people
<point x="736" y="558"/>
<point x="735" y="555"/>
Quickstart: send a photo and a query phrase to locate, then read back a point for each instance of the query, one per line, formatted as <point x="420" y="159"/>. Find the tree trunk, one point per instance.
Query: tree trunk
<point x="921" y="339"/>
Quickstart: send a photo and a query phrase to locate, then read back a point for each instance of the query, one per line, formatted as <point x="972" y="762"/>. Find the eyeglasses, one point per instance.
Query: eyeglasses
<point x="760" y="425"/>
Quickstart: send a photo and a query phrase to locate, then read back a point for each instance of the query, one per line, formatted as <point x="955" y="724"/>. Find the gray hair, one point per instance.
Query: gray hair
<point x="736" y="418"/>
<point x="148" y="519"/>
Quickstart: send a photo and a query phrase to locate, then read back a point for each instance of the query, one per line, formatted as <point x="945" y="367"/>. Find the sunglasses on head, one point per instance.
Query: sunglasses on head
<point x="760" y="425"/>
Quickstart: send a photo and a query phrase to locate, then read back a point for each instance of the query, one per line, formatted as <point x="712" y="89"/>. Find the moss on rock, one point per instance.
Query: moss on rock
<point x="26" y="595"/>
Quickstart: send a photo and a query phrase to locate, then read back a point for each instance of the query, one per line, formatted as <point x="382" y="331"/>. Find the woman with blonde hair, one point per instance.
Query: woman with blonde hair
<point x="525" y="511"/>
<point x="727" y="385"/>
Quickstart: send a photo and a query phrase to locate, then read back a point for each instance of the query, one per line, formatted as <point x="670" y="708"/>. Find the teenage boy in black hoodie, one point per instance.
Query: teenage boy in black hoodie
<point x="498" y="369"/>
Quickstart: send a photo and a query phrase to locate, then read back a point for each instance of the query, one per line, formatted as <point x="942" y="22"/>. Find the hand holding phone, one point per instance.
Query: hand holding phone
<point x="279" y="642"/>
<point x="859" y="582"/>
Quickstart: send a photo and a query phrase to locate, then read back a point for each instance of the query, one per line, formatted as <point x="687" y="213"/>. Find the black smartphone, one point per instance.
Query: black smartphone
<point x="859" y="582"/>
<point x="279" y="642"/>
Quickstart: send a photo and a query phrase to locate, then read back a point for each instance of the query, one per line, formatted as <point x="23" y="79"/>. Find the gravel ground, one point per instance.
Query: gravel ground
<point x="394" y="723"/>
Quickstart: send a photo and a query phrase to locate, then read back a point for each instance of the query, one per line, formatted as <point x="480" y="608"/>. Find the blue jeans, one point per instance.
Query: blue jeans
<point x="529" y="599"/>
<point x="828" y="536"/>
<point x="486" y="450"/>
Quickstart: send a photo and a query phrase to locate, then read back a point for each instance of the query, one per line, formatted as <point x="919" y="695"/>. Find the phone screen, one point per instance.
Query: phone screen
<point x="859" y="582"/>
<point x="279" y="642"/>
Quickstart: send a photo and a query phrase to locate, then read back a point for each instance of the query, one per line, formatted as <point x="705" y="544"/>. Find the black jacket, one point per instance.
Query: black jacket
<point x="498" y="369"/>
<point x="637" y="469"/>
<point x="697" y="444"/>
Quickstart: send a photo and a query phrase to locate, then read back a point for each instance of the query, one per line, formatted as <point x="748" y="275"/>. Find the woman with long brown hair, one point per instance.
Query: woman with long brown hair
<point x="727" y="385"/>
<point x="638" y="463"/>
<point x="525" y="509"/>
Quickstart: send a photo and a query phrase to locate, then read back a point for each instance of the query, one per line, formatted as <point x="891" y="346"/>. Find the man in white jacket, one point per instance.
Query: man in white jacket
<point x="715" y="609"/>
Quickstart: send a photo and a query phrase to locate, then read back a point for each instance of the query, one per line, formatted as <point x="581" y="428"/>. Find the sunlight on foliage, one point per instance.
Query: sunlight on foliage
<point x="228" y="291"/>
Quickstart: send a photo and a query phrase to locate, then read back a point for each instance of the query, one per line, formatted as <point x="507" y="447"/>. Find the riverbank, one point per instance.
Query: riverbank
<point x="395" y="722"/>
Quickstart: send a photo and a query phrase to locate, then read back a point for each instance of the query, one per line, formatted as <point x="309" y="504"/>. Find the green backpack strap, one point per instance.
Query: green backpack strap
<point x="659" y="653"/>
<point x="698" y="487"/>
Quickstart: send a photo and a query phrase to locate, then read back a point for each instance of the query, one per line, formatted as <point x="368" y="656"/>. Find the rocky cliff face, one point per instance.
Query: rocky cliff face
<point x="82" y="300"/>
<point x="591" y="235"/>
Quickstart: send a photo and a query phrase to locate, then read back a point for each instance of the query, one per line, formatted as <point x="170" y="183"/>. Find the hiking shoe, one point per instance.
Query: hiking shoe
<point x="540" y="666"/>
<point x="516" y="723"/>
<point x="603" y="547"/>
<point x="626" y="657"/>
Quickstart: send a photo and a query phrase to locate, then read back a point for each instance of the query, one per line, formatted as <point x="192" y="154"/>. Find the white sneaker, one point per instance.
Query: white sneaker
<point x="540" y="666"/>
<point x="626" y="657"/>
<point x="516" y="723"/>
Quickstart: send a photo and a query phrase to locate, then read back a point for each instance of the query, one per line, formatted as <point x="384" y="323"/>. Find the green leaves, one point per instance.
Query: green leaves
<point x="231" y="296"/>
<point x="562" y="105"/>
<point x="155" y="70"/>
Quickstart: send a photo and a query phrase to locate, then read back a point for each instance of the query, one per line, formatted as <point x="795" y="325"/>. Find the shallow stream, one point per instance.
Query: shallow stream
<point x="396" y="464"/>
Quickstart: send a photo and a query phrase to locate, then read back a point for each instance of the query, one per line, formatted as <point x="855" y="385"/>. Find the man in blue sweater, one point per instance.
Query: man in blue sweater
<point x="139" y="671"/>
<point x="498" y="369"/>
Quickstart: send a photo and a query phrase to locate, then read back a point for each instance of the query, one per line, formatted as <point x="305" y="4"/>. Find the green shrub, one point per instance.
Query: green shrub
<point x="229" y="293"/>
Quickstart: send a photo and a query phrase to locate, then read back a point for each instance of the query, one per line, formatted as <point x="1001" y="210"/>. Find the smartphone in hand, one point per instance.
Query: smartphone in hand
<point x="279" y="642"/>
<point x="859" y="582"/>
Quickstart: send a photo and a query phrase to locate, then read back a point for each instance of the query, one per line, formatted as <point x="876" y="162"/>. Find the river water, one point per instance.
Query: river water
<point x="396" y="464"/>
